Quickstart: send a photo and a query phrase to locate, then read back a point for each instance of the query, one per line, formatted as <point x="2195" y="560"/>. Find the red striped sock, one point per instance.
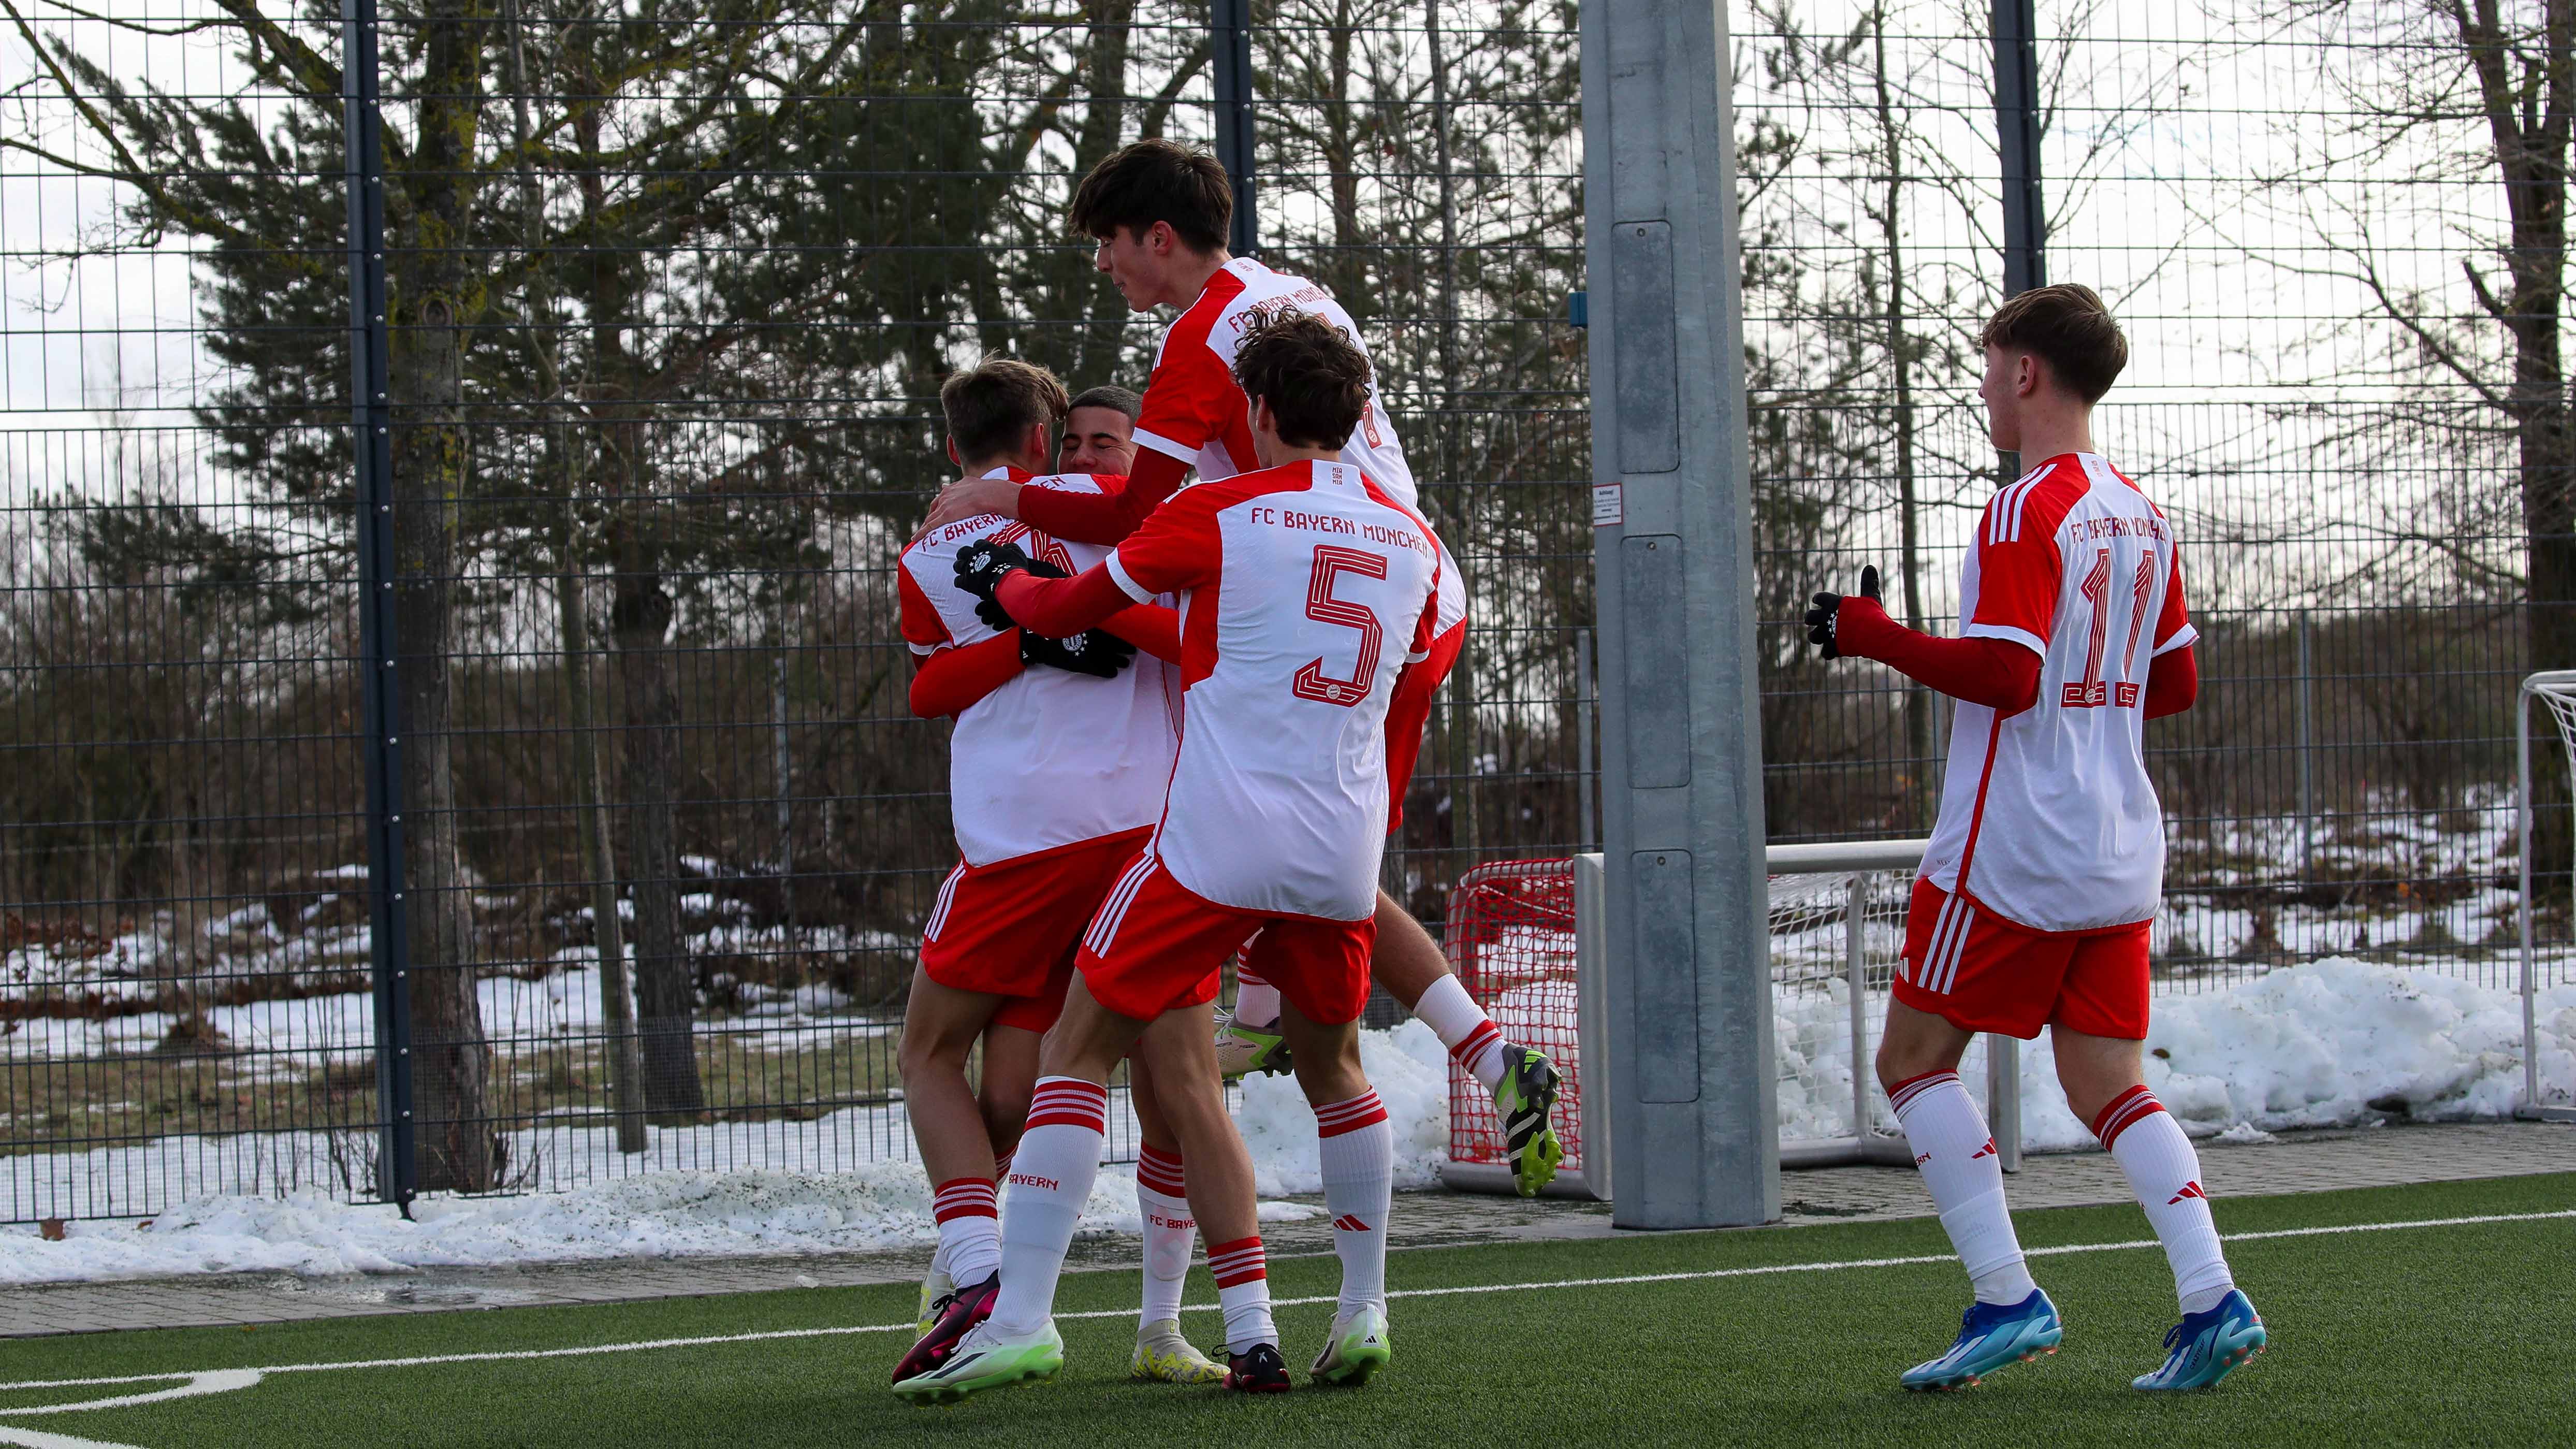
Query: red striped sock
<point x="1160" y="1171"/>
<point x="1335" y="1118"/>
<point x="963" y="1197"/>
<point x="1243" y="1292"/>
<point x="1162" y="1200"/>
<point x="970" y="1232"/>
<point x="2124" y="1112"/>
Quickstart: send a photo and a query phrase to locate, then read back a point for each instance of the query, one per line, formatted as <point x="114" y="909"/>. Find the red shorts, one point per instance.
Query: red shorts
<point x="1158" y="946"/>
<point x="1980" y="972"/>
<point x="1409" y="712"/>
<point x="1011" y="928"/>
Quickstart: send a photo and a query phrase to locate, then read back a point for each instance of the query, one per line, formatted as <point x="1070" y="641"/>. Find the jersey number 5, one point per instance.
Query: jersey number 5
<point x="1312" y="682"/>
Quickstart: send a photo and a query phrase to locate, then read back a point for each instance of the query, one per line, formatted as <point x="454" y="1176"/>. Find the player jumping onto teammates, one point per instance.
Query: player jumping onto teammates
<point x="1060" y="755"/>
<point x="1159" y="212"/>
<point x="1306" y="591"/>
<point x="2047" y="860"/>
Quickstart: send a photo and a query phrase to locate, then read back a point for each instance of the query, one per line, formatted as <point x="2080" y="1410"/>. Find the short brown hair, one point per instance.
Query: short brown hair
<point x="1111" y="396"/>
<point x="1315" y="381"/>
<point x="1157" y="180"/>
<point x="2068" y="327"/>
<point x="991" y="406"/>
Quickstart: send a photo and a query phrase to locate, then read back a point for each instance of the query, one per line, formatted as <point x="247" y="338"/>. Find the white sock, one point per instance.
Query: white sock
<point x="2164" y="1172"/>
<point x="1162" y="1200"/>
<point x="1243" y="1292"/>
<point x="1956" y="1154"/>
<point x="970" y="1236"/>
<point x="1051" y="1176"/>
<point x="1256" y="1002"/>
<point x="1358" y="1149"/>
<point x="1463" y="1027"/>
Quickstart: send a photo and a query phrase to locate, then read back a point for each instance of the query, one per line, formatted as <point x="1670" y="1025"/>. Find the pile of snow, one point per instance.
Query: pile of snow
<point x="842" y="1184"/>
<point x="2334" y="1043"/>
<point x="2331" y="1043"/>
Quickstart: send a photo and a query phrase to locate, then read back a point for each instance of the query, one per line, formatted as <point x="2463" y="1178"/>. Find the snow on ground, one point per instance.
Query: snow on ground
<point x="844" y="1183"/>
<point x="2326" y="1044"/>
<point x="2335" y="1042"/>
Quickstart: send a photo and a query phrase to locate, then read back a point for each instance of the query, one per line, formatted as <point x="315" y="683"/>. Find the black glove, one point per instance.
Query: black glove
<point x="981" y="567"/>
<point x="1095" y="652"/>
<point x="990" y="610"/>
<point x="1820" y="619"/>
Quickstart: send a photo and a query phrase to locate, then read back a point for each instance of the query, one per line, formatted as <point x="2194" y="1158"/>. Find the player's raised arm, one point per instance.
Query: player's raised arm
<point x="2002" y="674"/>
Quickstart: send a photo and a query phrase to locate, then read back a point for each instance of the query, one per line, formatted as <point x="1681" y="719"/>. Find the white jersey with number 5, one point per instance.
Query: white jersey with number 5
<point x="1305" y="590"/>
<point x="2048" y="818"/>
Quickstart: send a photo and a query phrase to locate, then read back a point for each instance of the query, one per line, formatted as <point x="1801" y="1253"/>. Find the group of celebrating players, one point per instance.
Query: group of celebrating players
<point x="1185" y="718"/>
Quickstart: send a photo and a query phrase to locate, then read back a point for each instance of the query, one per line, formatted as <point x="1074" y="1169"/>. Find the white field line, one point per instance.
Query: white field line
<point x="840" y="1331"/>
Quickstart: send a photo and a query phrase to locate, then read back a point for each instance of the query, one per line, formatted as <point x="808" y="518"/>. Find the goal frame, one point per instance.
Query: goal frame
<point x="1858" y="1145"/>
<point x="2559" y="683"/>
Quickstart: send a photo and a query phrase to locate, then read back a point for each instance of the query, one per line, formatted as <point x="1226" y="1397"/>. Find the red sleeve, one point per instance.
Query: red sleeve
<point x="2173" y="683"/>
<point x="2173" y="622"/>
<point x="922" y="627"/>
<point x="952" y="679"/>
<point x="1062" y="608"/>
<point x="1191" y="399"/>
<point x="2002" y="674"/>
<point x="1179" y="547"/>
<point x="1106" y="517"/>
<point x="1149" y="627"/>
<point x="2019" y="570"/>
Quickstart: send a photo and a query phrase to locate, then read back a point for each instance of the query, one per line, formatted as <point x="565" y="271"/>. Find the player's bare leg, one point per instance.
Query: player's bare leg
<point x="1413" y="969"/>
<point x="1002" y="1090"/>
<point x="1358" y="1151"/>
<point x="1162" y="1202"/>
<point x="950" y="1126"/>
<point x="1052" y="1176"/>
<point x="1918" y="1064"/>
<point x="2105" y="1082"/>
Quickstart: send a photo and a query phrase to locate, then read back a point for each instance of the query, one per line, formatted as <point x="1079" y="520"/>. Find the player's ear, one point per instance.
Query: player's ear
<point x="952" y="452"/>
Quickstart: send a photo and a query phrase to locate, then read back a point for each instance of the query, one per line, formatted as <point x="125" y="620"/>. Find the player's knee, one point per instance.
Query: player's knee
<point x="1331" y="1073"/>
<point x="1902" y="1061"/>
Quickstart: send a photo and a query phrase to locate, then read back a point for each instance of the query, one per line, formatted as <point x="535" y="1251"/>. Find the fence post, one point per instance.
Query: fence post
<point x="2016" y="30"/>
<point x="1585" y="701"/>
<point x="2307" y="763"/>
<point x="1230" y="51"/>
<point x="371" y="419"/>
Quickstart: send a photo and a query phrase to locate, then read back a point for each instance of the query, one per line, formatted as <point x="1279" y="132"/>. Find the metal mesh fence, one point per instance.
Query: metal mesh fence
<point x="595" y="640"/>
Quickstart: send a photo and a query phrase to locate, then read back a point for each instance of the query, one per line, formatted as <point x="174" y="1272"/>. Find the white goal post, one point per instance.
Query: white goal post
<point x="1524" y="939"/>
<point x="2548" y="1096"/>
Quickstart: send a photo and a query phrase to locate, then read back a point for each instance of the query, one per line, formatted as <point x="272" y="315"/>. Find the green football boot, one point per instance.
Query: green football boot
<point x="1523" y="1098"/>
<point x="984" y="1359"/>
<point x="1358" y="1348"/>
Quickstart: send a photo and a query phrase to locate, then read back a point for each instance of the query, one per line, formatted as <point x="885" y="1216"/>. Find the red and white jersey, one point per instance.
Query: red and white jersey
<point x="1050" y="759"/>
<point x="1305" y="590"/>
<point x="2048" y="817"/>
<point x="1196" y="412"/>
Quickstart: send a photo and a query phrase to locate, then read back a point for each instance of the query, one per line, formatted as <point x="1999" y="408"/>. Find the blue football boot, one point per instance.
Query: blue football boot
<point x="2207" y="1347"/>
<point x="1991" y="1336"/>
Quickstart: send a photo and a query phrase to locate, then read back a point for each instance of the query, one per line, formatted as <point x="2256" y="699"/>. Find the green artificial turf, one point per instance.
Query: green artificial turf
<point x="2451" y="1334"/>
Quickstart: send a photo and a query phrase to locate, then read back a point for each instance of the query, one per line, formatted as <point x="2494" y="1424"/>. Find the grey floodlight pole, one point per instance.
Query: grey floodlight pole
<point x="1692" y="1086"/>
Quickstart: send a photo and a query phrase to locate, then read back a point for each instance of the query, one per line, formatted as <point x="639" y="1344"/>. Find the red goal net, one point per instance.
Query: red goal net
<point x="1511" y="941"/>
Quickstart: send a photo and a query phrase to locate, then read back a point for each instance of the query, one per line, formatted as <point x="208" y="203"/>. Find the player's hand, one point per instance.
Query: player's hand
<point x="970" y="498"/>
<point x="1095" y="652"/>
<point x="983" y="564"/>
<point x="990" y="610"/>
<point x="1820" y="618"/>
